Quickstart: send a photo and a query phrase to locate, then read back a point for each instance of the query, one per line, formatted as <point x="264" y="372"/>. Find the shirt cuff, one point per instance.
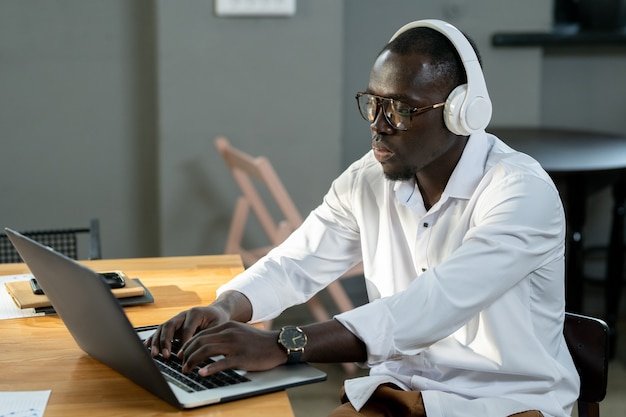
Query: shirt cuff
<point x="263" y="302"/>
<point x="374" y="325"/>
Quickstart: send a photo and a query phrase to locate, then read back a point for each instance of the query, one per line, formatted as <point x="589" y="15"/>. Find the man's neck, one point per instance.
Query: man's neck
<point x="432" y="180"/>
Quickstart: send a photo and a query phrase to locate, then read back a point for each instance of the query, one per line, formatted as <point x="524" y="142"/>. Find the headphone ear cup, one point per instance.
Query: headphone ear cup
<point x="452" y="111"/>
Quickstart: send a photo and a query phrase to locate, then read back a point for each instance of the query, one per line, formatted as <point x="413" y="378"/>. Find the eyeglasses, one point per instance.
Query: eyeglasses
<point x="397" y="113"/>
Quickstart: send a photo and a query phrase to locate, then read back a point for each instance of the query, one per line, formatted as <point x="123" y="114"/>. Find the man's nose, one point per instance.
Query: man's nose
<point x="380" y="124"/>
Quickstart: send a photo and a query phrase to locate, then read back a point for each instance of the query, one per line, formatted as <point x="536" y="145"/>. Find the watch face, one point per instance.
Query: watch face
<point x="292" y="338"/>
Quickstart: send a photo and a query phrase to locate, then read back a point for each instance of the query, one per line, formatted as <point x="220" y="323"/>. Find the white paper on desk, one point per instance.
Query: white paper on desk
<point x="8" y="308"/>
<point x="23" y="403"/>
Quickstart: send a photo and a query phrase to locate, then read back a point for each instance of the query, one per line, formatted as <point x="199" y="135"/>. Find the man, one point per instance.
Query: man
<point x="462" y="241"/>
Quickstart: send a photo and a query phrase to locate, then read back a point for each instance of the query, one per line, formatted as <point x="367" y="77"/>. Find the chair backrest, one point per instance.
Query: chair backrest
<point x="254" y="175"/>
<point x="588" y="341"/>
<point x="67" y="241"/>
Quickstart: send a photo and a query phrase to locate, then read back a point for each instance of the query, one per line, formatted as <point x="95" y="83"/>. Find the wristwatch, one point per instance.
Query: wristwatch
<point x="293" y="340"/>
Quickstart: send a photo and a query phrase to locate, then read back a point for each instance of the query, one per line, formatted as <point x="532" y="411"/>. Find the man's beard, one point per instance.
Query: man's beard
<point x="407" y="174"/>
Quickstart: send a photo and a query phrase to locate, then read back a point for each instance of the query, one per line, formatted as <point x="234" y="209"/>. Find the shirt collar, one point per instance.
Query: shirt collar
<point x="464" y="179"/>
<point x="471" y="167"/>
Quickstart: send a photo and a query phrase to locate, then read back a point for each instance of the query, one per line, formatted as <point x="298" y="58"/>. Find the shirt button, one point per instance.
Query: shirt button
<point x="423" y="269"/>
<point x="425" y="224"/>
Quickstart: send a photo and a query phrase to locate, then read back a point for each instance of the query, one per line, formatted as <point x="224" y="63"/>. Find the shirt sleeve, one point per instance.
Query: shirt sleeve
<point x="517" y="227"/>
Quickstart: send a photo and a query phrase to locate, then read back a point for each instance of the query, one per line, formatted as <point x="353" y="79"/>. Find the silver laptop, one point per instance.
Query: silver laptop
<point x="100" y="327"/>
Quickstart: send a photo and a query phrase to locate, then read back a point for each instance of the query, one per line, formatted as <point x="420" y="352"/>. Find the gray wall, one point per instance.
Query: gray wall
<point x="77" y="119"/>
<point x="273" y="86"/>
<point x="109" y="109"/>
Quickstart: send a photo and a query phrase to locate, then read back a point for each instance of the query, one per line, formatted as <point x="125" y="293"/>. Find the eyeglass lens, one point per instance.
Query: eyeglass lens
<point x="397" y="114"/>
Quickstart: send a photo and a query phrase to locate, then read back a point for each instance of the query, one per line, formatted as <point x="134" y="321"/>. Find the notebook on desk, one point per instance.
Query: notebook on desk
<point x="100" y="327"/>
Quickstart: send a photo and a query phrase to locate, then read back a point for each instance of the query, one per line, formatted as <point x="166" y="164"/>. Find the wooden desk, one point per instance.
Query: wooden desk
<point x="38" y="353"/>
<point x="582" y="161"/>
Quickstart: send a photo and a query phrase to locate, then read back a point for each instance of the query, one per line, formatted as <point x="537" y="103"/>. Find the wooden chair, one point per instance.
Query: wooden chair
<point x="251" y="173"/>
<point x="588" y="341"/>
<point x="67" y="241"/>
<point x="256" y="177"/>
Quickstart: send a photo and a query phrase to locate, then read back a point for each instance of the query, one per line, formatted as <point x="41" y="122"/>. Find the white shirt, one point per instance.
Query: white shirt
<point x="466" y="299"/>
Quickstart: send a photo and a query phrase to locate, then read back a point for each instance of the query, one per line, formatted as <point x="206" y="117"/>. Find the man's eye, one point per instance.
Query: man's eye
<point x="402" y="109"/>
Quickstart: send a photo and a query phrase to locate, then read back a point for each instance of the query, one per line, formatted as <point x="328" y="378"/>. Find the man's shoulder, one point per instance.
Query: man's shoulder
<point x="363" y="176"/>
<point x="507" y="160"/>
<point x="366" y="168"/>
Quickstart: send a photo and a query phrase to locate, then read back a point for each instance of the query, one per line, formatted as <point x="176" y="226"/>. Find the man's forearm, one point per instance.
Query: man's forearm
<point x="330" y="341"/>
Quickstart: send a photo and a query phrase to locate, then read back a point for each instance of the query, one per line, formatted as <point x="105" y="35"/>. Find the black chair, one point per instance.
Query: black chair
<point x="67" y="241"/>
<point x="588" y="341"/>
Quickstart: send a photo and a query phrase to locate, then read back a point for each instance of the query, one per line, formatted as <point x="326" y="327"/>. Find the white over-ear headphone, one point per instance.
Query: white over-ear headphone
<point x="468" y="107"/>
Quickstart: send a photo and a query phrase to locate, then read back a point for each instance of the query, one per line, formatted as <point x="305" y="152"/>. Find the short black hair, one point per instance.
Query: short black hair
<point x="437" y="46"/>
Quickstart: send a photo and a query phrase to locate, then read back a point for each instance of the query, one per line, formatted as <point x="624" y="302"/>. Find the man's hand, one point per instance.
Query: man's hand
<point x="242" y="345"/>
<point x="183" y="326"/>
<point x="229" y="306"/>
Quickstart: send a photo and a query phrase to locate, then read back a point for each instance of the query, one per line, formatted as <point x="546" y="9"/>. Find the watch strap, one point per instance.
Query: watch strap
<point x="294" y="355"/>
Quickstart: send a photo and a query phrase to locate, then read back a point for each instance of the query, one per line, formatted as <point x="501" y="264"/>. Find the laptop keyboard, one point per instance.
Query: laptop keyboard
<point x="171" y="368"/>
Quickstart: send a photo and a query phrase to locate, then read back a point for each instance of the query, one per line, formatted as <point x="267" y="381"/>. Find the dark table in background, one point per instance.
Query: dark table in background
<point x="581" y="162"/>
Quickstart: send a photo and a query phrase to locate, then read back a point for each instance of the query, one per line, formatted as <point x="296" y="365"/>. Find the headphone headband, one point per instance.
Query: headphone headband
<point x="468" y="108"/>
